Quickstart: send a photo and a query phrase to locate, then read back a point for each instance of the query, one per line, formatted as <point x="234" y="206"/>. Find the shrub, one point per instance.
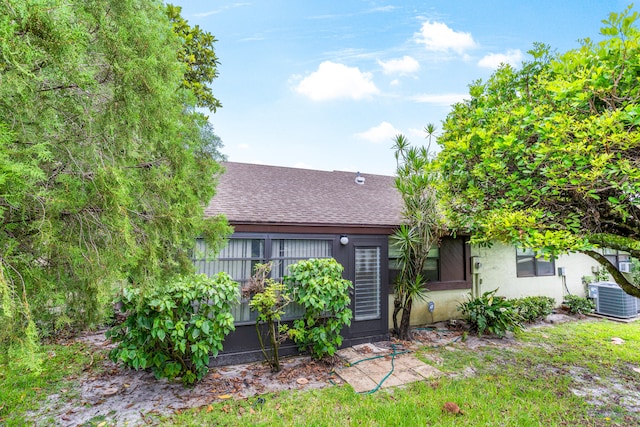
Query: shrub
<point x="579" y="305"/>
<point x="175" y="328"/>
<point x="490" y="313"/>
<point x="532" y="309"/>
<point x="269" y="301"/>
<point x="317" y="285"/>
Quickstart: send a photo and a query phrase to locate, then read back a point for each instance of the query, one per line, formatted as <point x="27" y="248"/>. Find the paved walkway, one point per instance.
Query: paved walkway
<point x="372" y="367"/>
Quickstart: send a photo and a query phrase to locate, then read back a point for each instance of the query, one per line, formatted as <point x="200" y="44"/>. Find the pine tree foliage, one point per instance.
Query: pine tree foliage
<point x="104" y="172"/>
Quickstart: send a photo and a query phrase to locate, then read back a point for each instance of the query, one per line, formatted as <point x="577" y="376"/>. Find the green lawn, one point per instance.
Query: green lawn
<point x="529" y="384"/>
<point x="565" y="375"/>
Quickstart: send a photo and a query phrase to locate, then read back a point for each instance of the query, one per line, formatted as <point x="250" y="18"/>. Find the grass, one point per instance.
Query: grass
<point x="530" y="384"/>
<point x="22" y="391"/>
<point x="566" y="375"/>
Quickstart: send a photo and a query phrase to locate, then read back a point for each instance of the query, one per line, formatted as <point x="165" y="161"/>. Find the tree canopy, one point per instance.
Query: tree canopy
<point x="547" y="156"/>
<point x="105" y="165"/>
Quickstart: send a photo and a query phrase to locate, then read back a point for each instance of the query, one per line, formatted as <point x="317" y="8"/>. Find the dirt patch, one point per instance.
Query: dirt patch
<point x="118" y="396"/>
<point x="109" y="395"/>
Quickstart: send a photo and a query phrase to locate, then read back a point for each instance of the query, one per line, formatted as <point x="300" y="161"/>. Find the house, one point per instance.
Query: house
<point x="283" y="215"/>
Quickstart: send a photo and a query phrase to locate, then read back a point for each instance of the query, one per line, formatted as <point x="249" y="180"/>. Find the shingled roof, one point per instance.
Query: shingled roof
<point x="259" y="194"/>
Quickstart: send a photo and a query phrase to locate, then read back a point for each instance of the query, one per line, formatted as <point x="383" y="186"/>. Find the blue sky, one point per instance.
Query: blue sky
<point x="327" y="84"/>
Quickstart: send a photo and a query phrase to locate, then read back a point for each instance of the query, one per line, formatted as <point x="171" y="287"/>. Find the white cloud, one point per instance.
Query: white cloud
<point x="416" y="134"/>
<point x="405" y="65"/>
<point x="335" y="81"/>
<point x="513" y="57"/>
<point x="444" y="99"/>
<point x="384" y="132"/>
<point x="220" y="10"/>
<point x="437" y="36"/>
<point x="394" y="82"/>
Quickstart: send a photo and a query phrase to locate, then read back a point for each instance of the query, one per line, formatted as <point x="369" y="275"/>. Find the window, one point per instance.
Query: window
<point x="367" y="284"/>
<point x="238" y="258"/>
<point x="446" y="268"/>
<point x="241" y="255"/>
<point x="529" y="264"/>
<point x="431" y="268"/>
<point x="620" y="259"/>
<point x="285" y="252"/>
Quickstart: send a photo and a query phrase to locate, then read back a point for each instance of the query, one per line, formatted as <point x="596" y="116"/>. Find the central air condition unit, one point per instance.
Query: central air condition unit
<point x="611" y="300"/>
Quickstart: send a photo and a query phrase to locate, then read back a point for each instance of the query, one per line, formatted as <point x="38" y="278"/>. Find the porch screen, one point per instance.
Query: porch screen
<point x="237" y="259"/>
<point x="367" y="284"/>
<point x="285" y="252"/>
<point x="240" y="256"/>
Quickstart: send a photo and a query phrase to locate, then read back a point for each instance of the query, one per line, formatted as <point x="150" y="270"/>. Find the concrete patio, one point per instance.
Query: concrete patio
<point x="371" y="367"/>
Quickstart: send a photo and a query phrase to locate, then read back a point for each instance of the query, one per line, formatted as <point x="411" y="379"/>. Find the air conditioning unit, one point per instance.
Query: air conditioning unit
<point x="624" y="267"/>
<point x="611" y="300"/>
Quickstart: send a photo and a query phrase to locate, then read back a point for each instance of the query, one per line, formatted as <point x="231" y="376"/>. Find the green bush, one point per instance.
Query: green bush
<point x="490" y="313"/>
<point x="532" y="309"/>
<point x="269" y="301"/>
<point x="175" y="328"/>
<point x="317" y="285"/>
<point x="579" y="305"/>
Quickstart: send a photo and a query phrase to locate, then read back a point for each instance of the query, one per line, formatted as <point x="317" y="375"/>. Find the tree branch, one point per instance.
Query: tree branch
<point x="618" y="277"/>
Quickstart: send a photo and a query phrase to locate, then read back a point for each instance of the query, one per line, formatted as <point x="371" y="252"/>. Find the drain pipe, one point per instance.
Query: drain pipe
<point x="476" y="280"/>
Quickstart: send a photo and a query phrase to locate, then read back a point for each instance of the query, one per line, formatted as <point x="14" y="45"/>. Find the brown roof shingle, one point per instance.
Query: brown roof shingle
<point x="259" y="194"/>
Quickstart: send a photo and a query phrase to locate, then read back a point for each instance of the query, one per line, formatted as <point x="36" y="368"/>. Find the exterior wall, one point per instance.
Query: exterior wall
<point x="242" y="344"/>
<point x="455" y="282"/>
<point x="445" y="307"/>
<point x="499" y="271"/>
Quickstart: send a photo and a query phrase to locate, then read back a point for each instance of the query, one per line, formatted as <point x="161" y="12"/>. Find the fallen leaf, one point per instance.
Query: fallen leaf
<point x="452" y="408"/>
<point x="226" y="409"/>
<point x="302" y="381"/>
<point x="110" y="391"/>
<point x="209" y="408"/>
<point x="216" y="376"/>
<point x="224" y="396"/>
<point x="617" y="341"/>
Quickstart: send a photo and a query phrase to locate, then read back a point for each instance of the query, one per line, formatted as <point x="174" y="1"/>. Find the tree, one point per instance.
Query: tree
<point x="197" y="53"/>
<point x="269" y="299"/>
<point x="422" y="228"/>
<point x="548" y="156"/>
<point x="103" y="168"/>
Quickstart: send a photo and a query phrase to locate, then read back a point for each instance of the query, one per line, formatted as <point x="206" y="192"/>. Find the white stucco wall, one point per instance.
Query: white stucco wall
<point x="499" y="271"/>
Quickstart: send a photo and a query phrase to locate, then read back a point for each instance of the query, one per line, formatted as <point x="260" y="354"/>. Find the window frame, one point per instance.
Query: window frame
<point x="454" y="265"/>
<point x="537" y="261"/>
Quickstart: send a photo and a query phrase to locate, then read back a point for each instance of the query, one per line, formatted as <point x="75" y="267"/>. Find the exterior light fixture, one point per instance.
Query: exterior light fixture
<point x="359" y="179"/>
<point x="344" y="240"/>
